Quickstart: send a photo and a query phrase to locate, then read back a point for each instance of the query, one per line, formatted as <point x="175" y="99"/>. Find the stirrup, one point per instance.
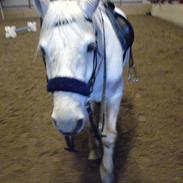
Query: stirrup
<point x="132" y="74"/>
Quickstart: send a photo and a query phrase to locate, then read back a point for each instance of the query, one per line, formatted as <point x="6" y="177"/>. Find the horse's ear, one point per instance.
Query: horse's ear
<point x="88" y="7"/>
<point x="41" y="6"/>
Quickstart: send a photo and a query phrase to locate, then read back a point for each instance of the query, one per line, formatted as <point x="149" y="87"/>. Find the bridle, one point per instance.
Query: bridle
<point x="73" y="85"/>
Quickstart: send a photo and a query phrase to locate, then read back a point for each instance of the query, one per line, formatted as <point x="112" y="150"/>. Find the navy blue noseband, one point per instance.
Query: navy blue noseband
<point x="68" y="85"/>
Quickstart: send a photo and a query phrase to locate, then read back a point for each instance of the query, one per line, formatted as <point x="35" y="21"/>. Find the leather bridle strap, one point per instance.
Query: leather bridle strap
<point x="68" y="85"/>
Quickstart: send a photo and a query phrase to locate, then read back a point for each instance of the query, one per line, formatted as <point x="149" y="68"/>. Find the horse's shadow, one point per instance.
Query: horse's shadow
<point x="126" y="131"/>
<point x="77" y="165"/>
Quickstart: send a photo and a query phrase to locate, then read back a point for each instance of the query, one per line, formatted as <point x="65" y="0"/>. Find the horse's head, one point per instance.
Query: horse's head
<point x="66" y="38"/>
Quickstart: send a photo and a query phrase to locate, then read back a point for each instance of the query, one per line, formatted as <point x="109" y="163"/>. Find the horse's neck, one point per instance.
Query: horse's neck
<point x="112" y="51"/>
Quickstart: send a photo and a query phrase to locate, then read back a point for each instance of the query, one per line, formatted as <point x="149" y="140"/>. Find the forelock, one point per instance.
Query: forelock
<point x="61" y="12"/>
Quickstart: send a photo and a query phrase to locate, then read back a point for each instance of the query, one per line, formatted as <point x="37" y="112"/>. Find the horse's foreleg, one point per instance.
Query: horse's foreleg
<point x="106" y="167"/>
<point x="93" y="153"/>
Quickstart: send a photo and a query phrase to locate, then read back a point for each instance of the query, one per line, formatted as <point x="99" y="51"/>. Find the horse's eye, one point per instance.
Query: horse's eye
<point x="43" y="51"/>
<point x="91" y="47"/>
<point x="43" y="55"/>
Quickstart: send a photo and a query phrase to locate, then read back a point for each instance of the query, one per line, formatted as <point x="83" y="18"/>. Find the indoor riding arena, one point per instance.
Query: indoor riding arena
<point x="149" y="146"/>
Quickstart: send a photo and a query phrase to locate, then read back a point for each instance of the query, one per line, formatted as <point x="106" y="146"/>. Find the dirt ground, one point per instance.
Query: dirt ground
<point x="149" y="148"/>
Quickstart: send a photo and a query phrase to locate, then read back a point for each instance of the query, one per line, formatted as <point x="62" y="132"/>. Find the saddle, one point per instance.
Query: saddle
<point x="121" y="26"/>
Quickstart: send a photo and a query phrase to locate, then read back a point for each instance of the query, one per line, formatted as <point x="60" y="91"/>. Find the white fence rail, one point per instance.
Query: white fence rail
<point x="16" y="3"/>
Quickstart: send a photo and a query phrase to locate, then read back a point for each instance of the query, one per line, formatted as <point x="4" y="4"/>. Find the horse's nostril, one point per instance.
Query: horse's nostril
<point x="80" y="121"/>
<point x="69" y="128"/>
<point x="76" y="130"/>
<point x="79" y="125"/>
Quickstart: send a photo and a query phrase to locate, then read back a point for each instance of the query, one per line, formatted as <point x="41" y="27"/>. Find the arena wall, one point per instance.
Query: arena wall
<point x="23" y="3"/>
<point x="135" y="8"/>
<point x="169" y="12"/>
<point x="24" y="12"/>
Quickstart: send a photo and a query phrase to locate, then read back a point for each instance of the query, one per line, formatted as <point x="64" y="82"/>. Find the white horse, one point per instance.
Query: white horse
<point x="67" y="33"/>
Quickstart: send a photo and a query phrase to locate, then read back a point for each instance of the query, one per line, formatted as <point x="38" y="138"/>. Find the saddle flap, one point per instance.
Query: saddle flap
<point x="121" y="26"/>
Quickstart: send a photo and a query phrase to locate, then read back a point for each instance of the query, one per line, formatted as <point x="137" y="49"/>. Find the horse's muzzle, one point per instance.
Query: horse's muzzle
<point x="75" y="131"/>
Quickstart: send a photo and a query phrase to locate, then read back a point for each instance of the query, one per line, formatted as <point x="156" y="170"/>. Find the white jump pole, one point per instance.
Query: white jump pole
<point x="11" y="31"/>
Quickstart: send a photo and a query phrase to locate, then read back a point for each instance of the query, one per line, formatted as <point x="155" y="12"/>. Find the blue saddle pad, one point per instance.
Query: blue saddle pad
<point x="121" y="26"/>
